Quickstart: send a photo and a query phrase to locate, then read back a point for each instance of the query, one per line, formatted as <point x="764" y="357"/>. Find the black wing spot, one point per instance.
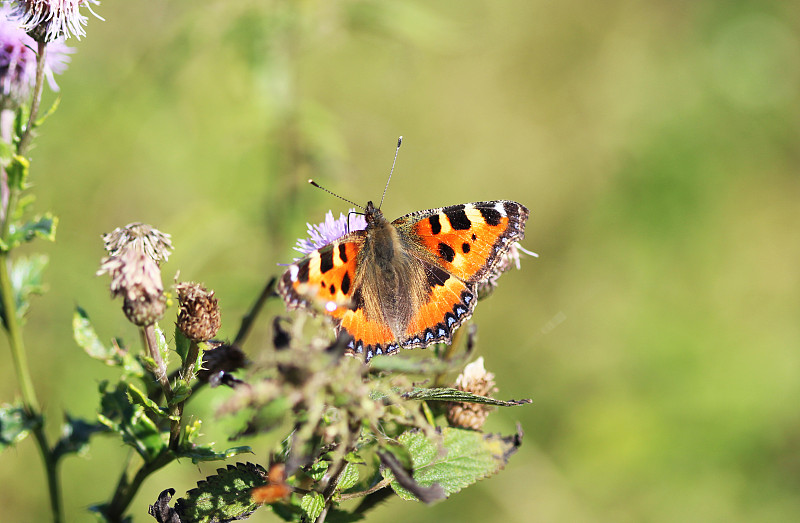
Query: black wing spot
<point x="346" y="283"/>
<point x="446" y="252"/>
<point x="302" y="272"/>
<point x="491" y="216"/>
<point x="326" y="260"/>
<point x="436" y="225"/>
<point x="332" y="289"/>
<point x="465" y="247"/>
<point x="474" y="237"/>
<point x="342" y="253"/>
<point x="458" y="218"/>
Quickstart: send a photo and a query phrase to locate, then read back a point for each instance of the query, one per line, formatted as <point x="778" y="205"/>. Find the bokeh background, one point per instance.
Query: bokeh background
<point x="656" y="144"/>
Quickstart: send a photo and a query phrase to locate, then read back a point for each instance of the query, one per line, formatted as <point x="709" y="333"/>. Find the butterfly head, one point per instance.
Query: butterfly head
<point x="373" y="215"/>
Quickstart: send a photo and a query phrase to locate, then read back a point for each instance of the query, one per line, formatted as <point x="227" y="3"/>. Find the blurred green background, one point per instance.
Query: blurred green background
<point x="656" y="144"/>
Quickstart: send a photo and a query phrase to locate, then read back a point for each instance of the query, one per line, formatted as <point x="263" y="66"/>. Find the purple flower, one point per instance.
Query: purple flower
<point x="331" y="229"/>
<point x="53" y="19"/>
<point x="18" y="59"/>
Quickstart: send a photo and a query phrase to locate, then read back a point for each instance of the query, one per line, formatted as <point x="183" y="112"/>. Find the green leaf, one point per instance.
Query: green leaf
<point x="75" y="436"/>
<point x="161" y="343"/>
<point x="15" y="425"/>
<point x="6" y="153"/>
<point x="182" y="344"/>
<point x="49" y="112"/>
<point x="459" y="459"/>
<point x="318" y="469"/>
<point x="180" y="392"/>
<point x="85" y="336"/>
<point x="426" y="366"/>
<point x="450" y="394"/>
<point x="138" y="397"/>
<point x="224" y="496"/>
<point x="198" y="453"/>
<point x="26" y="280"/>
<point x="130" y="422"/>
<point x="312" y="504"/>
<point x="41" y="226"/>
<point x="17" y="172"/>
<point x="348" y="478"/>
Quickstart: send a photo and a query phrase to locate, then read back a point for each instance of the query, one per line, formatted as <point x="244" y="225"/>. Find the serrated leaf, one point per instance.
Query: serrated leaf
<point x="42" y="227"/>
<point x="224" y="496"/>
<point x="317" y="470"/>
<point x="348" y="478"/>
<point x="312" y="504"/>
<point x="85" y="336"/>
<point x="75" y="435"/>
<point x="15" y="425"/>
<point x="139" y="397"/>
<point x="129" y="420"/>
<point x="459" y="459"/>
<point x="199" y="453"/>
<point x="451" y="394"/>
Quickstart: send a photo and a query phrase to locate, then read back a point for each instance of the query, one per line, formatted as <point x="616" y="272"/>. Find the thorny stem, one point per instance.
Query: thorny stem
<point x="11" y="320"/>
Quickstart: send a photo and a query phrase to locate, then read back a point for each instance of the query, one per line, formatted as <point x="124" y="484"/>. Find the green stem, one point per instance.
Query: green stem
<point x="12" y="324"/>
<point x="127" y="489"/>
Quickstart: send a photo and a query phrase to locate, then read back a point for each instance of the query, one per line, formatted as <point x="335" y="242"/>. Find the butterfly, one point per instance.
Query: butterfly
<point x="407" y="283"/>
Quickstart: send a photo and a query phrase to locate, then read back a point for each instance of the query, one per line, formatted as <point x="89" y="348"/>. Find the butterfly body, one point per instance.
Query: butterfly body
<point x="407" y="283"/>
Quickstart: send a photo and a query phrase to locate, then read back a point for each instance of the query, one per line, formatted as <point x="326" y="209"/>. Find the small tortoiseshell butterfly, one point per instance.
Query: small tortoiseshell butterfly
<point x="408" y="283"/>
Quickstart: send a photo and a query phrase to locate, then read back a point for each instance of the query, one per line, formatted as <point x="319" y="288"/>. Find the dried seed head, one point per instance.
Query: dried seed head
<point x="141" y="237"/>
<point x="476" y="380"/>
<point x="133" y="264"/>
<point x="199" y="317"/>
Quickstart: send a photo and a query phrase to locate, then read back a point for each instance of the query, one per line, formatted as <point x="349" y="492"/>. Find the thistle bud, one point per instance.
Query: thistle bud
<point x="199" y="317"/>
<point x="476" y="380"/>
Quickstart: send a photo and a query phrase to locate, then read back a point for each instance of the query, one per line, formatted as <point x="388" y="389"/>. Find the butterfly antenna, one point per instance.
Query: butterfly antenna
<point x="318" y="186"/>
<point x="399" y="143"/>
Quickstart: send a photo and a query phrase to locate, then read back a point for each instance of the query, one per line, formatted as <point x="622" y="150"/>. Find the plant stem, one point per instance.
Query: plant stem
<point x="160" y="371"/>
<point x="126" y="490"/>
<point x="11" y="320"/>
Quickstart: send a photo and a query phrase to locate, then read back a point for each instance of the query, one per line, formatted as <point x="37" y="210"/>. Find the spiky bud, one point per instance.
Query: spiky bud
<point x="199" y="316"/>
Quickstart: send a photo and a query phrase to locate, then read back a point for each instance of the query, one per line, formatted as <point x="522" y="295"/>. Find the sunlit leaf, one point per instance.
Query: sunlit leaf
<point x="312" y="504"/>
<point x="450" y="394"/>
<point x="39" y="227"/>
<point x="85" y="336"/>
<point x="199" y="453"/>
<point x="138" y="397"/>
<point x="460" y="458"/>
<point x="26" y="280"/>
<point x="224" y="496"/>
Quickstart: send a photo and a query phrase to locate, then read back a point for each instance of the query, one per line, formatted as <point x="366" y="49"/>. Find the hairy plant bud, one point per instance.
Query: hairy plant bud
<point x="199" y="317"/>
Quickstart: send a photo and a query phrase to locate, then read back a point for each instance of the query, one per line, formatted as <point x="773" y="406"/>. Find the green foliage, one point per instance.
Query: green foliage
<point x="15" y="425"/>
<point x="27" y="276"/>
<point x="460" y="458"/>
<point x="85" y="336"/>
<point x="75" y="436"/>
<point x="312" y="504"/>
<point x="129" y="421"/>
<point x="39" y="227"/>
<point x="451" y="394"/>
<point x="223" y="496"/>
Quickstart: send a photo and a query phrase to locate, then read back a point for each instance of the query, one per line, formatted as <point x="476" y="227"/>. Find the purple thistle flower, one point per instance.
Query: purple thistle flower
<point x="53" y="19"/>
<point x="18" y="59"/>
<point x="331" y="229"/>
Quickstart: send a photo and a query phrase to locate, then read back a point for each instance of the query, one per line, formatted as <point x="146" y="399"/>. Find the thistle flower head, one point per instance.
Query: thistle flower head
<point x="133" y="264"/>
<point x="331" y="229"/>
<point x="48" y="20"/>
<point x="18" y="59"/>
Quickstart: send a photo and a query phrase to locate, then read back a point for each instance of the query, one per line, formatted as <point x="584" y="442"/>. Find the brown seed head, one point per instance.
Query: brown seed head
<point x="477" y="380"/>
<point x="199" y="316"/>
